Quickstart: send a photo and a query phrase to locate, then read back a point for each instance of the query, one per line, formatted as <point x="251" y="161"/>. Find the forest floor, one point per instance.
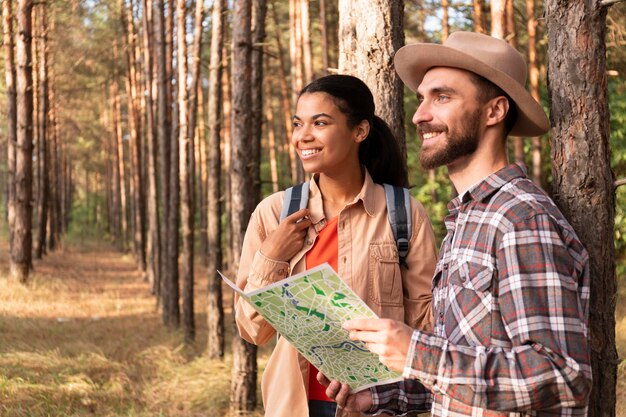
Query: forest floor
<point x="84" y="338"/>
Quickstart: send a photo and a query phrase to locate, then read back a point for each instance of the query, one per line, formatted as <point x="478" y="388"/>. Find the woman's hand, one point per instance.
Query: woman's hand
<point x="284" y="242"/>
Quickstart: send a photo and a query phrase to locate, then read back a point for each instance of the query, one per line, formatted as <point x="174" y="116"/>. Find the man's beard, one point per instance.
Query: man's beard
<point x="457" y="143"/>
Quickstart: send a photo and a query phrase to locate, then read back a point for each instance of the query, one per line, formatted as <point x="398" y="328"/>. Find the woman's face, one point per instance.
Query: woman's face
<point x="322" y="136"/>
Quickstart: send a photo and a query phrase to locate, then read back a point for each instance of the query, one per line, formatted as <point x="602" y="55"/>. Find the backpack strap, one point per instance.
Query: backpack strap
<point x="296" y="198"/>
<point x="399" y="213"/>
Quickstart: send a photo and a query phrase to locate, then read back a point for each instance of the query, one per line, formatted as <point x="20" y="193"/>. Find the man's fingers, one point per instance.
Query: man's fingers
<point x="367" y="336"/>
<point x="342" y="395"/>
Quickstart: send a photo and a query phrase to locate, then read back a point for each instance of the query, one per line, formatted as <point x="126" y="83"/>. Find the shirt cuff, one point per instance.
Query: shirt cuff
<point x="265" y="271"/>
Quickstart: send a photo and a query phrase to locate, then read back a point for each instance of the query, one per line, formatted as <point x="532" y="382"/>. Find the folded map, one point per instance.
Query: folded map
<point x="308" y="309"/>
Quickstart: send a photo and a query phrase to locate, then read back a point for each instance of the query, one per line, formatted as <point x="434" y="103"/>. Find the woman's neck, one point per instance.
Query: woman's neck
<point x="339" y="190"/>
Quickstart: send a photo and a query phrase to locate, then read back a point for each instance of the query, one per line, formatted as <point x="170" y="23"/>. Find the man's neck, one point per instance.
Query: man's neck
<point x="470" y="170"/>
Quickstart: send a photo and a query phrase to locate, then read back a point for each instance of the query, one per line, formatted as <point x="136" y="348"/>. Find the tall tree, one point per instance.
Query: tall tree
<point x="324" y="37"/>
<point x="171" y="291"/>
<point x="582" y="178"/>
<point x="479" y="19"/>
<point x="42" y="132"/>
<point x="307" y="55"/>
<point x="533" y="81"/>
<point x="369" y="35"/>
<point x="163" y="136"/>
<point x="9" y="67"/>
<point x="244" y="373"/>
<point x="134" y="124"/>
<point x="257" y="57"/>
<point x="21" y="261"/>
<point x="498" y="18"/>
<point x="153" y="241"/>
<point x="215" y="311"/>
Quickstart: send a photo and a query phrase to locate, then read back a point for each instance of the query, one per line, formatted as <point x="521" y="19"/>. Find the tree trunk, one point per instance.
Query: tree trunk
<point x="42" y="132"/>
<point x="498" y="18"/>
<point x="445" y="24"/>
<point x="153" y="250"/>
<point x="171" y="293"/>
<point x="479" y="19"/>
<point x="324" y="37"/>
<point x="226" y="154"/>
<point x="271" y="136"/>
<point x="134" y="123"/>
<point x="582" y="178"/>
<point x="163" y="134"/>
<point x="294" y="162"/>
<point x="258" y="39"/>
<point x="369" y="35"/>
<point x="202" y="175"/>
<point x="53" y="207"/>
<point x="533" y="81"/>
<point x="244" y="373"/>
<point x="21" y="261"/>
<point x="215" y="310"/>
<point x="307" y="57"/>
<point x="9" y="66"/>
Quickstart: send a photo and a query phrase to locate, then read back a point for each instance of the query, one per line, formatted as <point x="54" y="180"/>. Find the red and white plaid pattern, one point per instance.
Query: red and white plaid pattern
<point x="511" y="307"/>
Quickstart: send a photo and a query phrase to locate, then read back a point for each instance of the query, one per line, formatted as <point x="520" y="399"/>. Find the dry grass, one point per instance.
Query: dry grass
<point x="84" y="338"/>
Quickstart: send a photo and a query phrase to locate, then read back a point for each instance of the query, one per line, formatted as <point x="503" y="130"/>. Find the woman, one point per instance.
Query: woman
<point x="350" y="152"/>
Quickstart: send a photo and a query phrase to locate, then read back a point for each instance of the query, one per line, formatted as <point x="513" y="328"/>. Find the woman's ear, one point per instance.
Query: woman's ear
<point x="362" y="130"/>
<point x="497" y="110"/>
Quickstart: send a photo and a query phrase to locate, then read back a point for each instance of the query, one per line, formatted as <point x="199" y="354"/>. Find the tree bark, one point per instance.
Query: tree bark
<point x="201" y="156"/>
<point x="258" y="39"/>
<point x="294" y="162"/>
<point x="215" y="310"/>
<point x="582" y="178"/>
<point x="42" y="133"/>
<point x="9" y="67"/>
<point x="21" y="261"/>
<point x="498" y="18"/>
<point x="479" y="19"/>
<point x="244" y="373"/>
<point x="369" y="35"/>
<point x="307" y="56"/>
<point x="153" y="249"/>
<point x="533" y="81"/>
<point x="162" y="133"/>
<point x="324" y="37"/>
<point x="271" y="136"/>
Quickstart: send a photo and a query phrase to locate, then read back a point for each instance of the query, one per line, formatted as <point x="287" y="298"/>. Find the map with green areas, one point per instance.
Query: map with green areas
<point x="307" y="310"/>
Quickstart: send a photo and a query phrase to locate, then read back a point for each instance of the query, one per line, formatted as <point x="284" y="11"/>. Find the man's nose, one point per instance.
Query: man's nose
<point x="422" y="114"/>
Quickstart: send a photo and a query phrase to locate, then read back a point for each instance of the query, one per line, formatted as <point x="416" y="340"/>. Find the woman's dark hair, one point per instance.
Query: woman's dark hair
<point x="380" y="151"/>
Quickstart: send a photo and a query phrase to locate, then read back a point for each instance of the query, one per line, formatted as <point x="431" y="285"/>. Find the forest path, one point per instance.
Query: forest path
<point x="84" y="338"/>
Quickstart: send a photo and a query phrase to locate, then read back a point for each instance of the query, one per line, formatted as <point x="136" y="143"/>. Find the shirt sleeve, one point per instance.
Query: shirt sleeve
<point x="541" y="294"/>
<point x="400" y="398"/>
<point x="255" y="271"/>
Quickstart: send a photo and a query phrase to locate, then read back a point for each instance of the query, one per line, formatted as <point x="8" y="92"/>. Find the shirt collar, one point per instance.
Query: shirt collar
<point x="489" y="185"/>
<point x="367" y="196"/>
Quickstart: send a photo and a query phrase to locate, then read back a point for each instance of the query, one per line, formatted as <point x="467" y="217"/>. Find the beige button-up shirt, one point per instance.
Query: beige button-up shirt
<point x="368" y="263"/>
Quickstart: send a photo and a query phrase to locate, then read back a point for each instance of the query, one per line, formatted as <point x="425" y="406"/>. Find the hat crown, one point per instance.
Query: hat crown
<point x="494" y="52"/>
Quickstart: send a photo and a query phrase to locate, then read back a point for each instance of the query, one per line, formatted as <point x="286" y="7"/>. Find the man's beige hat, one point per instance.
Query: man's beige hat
<point x="489" y="57"/>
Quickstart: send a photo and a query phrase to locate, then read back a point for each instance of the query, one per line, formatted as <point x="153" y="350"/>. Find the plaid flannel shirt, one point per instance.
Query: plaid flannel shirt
<point x="511" y="307"/>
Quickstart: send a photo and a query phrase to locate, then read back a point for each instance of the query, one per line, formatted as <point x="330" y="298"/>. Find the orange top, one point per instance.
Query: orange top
<point x="325" y="249"/>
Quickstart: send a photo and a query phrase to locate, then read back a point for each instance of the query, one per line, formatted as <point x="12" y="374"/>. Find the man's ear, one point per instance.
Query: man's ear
<point x="497" y="109"/>
<point x="361" y="131"/>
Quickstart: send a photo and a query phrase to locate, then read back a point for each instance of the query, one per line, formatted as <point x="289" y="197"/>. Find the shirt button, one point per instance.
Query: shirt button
<point x="463" y="278"/>
<point x="441" y="313"/>
<point x="309" y="242"/>
<point x="445" y="266"/>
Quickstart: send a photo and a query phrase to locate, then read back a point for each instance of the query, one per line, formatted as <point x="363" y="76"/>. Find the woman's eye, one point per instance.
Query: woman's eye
<point x="295" y="124"/>
<point x="320" y="123"/>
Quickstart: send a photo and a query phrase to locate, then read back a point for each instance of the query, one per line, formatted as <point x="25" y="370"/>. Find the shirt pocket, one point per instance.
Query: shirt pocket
<point x="468" y="319"/>
<point x="384" y="277"/>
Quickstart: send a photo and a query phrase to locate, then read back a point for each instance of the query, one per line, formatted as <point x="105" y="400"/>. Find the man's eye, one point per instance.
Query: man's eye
<point x="320" y="123"/>
<point x="442" y="97"/>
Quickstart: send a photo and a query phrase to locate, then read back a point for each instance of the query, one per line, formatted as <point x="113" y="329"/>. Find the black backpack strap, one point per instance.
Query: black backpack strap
<point x="399" y="213"/>
<point x="296" y="198"/>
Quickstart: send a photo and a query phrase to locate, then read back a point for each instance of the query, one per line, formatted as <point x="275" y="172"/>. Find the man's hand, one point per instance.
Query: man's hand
<point x="335" y="390"/>
<point x="389" y="339"/>
<point x="284" y="242"/>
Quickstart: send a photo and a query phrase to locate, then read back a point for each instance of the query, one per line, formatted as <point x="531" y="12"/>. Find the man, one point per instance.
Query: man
<point x="511" y="287"/>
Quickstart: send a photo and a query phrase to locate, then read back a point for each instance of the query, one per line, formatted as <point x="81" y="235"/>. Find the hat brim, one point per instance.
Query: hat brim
<point x="412" y="62"/>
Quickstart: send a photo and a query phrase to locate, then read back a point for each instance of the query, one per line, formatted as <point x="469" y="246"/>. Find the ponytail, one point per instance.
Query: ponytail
<point x="381" y="154"/>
